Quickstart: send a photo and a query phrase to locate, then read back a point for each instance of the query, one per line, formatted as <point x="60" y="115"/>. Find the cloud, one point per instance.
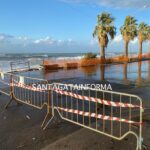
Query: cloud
<point x="50" y="41"/>
<point x="115" y="3"/>
<point x="5" y="37"/>
<point x="25" y="44"/>
<point x="9" y="43"/>
<point x="118" y="38"/>
<point x="135" y="41"/>
<point x="117" y="45"/>
<point x="23" y="38"/>
<point x="46" y="40"/>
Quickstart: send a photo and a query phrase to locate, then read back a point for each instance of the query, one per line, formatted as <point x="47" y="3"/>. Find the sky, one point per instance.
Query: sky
<point x="64" y="26"/>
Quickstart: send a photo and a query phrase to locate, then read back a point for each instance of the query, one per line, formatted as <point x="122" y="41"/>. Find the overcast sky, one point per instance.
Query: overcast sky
<point x="63" y="25"/>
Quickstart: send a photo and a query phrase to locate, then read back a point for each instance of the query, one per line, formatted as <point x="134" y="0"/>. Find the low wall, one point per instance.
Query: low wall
<point x="74" y="63"/>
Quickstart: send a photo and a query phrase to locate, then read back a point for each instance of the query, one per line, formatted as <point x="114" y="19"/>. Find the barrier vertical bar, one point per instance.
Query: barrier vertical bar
<point x="130" y="115"/>
<point x="83" y="104"/>
<point x="103" y="112"/>
<point x="89" y="110"/>
<point x="96" y="109"/>
<point x="141" y="118"/>
<point x="77" y="107"/>
<point x="120" y="116"/>
<point x="111" y="116"/>
<point x="52" y="101"/>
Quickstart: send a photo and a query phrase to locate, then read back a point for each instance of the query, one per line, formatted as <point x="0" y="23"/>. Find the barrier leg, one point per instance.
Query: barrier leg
<point x="10" y="101"/>
<point x="11" y="93"/>
<point x="44" y="124"/>
<point x="140" y="141"/>
<point x="47" y="115"/>
<point x="6" y="106"/>
<point x="48" y="122"/>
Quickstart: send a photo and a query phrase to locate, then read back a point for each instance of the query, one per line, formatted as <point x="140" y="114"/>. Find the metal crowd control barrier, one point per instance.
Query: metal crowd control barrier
<point x="113" y="114"/>
<point x="19" y="65"/>
<point x="25" y="90"/>
<point x="110" y="113"/>
<point x="33" y="92"/>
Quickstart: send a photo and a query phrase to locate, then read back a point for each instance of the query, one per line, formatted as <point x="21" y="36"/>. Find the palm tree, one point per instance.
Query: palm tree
<point x="104" y="30"/>
<point x="142" y="35"/>
<point x="128" y="31"/>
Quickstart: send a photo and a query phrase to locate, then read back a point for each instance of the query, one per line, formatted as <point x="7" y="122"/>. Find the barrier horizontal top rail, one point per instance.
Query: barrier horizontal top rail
<point x="19" y="62"/>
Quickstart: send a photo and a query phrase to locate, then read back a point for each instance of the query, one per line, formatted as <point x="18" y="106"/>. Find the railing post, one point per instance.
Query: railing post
<point x="28" y="65"/>
<point x="50" y="105"/>
<point x="11" y="91"/>
<point x="11" y="87"/>
<point x="140" y="134"/>
<point x="52" y="101"/>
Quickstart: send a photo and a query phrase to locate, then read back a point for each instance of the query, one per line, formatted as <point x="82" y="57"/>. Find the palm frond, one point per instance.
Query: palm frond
<point x="105" y="28"/>
<point x="129" y="28"/>
<point x="143" y="31"/>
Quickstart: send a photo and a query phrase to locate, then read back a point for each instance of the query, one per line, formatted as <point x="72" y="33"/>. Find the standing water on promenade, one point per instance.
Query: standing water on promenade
<point x="126" y="73"/>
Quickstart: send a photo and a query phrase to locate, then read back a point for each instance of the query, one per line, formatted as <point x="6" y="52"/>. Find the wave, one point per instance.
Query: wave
<point x="48" y="55"/>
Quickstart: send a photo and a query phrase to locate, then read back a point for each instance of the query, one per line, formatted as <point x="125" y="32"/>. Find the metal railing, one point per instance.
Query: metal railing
<point x="25" y="90"/>
<point x="110" y="113"/>
<point x="19" y="65"/>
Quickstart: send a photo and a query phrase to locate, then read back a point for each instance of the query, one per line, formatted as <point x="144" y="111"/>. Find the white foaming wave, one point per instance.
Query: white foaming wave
<point x="68" y="58"/>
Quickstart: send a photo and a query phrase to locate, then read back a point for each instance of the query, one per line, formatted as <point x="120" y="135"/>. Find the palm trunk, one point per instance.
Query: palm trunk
<point x="102" y="52"/>
<point x="140" y="48"/>
<point x="126" y="48"/>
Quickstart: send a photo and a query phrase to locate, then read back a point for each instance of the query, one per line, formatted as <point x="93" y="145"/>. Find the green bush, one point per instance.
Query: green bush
<point x="89" y="56"/>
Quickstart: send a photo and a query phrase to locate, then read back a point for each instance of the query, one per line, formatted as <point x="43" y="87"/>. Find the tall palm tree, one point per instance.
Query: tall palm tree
<point x="104" y="30"/>
<point x="128" y="31"/>
<point x="142" y="35"/>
